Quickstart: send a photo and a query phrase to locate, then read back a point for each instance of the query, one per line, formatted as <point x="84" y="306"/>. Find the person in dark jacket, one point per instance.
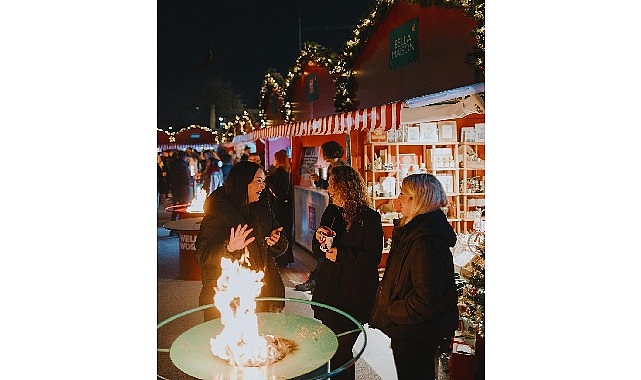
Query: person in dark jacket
<point x="279" y="190"/>
<point x="416" y="299"/>
<point x="332" y="153"/>
<point x="179" y="180"/>
<point x="236" y="222"/>
<point x="348" y="271"/>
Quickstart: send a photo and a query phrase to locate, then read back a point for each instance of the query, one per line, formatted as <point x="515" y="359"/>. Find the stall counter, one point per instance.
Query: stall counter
<point x="309" y="204"/>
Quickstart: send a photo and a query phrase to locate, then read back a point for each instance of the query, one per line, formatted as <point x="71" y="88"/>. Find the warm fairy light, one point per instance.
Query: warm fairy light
<point x="239" y="343"/>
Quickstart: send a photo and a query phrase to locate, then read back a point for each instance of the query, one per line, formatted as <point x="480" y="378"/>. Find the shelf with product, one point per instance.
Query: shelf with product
<point x="388" y="163"/>
<point x="472" y="185"/>
<point x="451" y="150"/>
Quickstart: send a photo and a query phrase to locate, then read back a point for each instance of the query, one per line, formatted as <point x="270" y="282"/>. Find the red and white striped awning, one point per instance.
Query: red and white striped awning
<point x="382" y="117"/>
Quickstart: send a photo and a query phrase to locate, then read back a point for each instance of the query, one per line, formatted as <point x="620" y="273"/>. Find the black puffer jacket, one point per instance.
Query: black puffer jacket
<point x="417" y="298"/>
<point x="211" y="245"/>
<point x="349" y="283"/>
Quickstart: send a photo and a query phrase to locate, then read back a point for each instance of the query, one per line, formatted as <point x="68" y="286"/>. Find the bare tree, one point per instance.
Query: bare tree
<point x="219" y="93"/>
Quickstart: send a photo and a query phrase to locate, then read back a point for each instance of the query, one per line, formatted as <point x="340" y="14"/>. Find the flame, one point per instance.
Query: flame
<point x="198" y="202"/>
<point x="239" y="343"/>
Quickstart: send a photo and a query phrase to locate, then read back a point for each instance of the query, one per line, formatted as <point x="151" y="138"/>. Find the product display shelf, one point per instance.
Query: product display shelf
<point x="472" y="185"/>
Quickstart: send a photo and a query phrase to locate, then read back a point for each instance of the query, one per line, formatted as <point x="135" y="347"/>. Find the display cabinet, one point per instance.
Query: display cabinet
<point x="459" y="166"/>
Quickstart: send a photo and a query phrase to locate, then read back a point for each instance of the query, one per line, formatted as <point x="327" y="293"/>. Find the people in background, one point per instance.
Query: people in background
<point x="162" y="185"/>
<point x="227" y="160"/>
<point x="348" y="271"/>
<point x="246" y="153"/>
<point x="280" y="194"/>
<point x="212" y="176"/>
<point x="416" y="299"/>
<point x="255" y="157"/>
<point x="332" y="153"/>
<point x="235" y="223"/>
<point x="179" y="180"/>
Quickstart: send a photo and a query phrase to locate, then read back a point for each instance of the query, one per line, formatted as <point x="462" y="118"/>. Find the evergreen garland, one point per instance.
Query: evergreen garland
<point x="471" y="289"/>
<point x="272" y="84"/>
<point x="311" y="52"/>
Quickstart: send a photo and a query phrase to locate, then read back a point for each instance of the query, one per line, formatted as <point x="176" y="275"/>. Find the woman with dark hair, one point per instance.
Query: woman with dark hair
<point x="348" y="271"/>
<point x="236" y="223"/>
<point x="332" y="153"/>
<point x="416" y="299"/>
<point x="279" y="187"/>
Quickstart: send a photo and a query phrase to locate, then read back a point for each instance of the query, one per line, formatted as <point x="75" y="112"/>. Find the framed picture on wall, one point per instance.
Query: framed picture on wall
<point x="413" y="134"/>
<point x="480" y="132"/>
<point x="447" y="131"/>
<point x="468" y="134"/>
<point x="429" y="132"/>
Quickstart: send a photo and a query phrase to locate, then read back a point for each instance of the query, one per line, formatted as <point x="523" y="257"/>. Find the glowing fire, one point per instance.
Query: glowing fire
<point x="198" y="202"/>
<point x="239" y="343"/>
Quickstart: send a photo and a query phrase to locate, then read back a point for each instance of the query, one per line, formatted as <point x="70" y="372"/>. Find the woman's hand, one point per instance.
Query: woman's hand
<point x="237" y="238"/>
<point x="321" y="232"/>
<point x="331" y="254"/>
<point x="313" y="177"/>
<point x="273" y="237"/>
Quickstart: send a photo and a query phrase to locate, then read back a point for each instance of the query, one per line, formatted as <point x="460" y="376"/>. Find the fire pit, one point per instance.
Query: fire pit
<point x="315" y="345"/>
<point x="243" y="344"/>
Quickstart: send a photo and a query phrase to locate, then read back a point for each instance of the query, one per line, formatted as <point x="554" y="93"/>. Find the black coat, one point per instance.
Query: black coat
<point x="280" y="197"/>
<point x="211" y="245"/>
<point x="349" y="283"/>
<point x="417" y="298"/>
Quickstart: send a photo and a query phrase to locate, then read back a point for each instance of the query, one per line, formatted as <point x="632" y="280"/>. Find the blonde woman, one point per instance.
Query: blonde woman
<point x="416" y="299"/>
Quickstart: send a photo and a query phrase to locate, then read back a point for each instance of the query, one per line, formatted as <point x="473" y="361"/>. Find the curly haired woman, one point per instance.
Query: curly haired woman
<point x="348" y="271"/>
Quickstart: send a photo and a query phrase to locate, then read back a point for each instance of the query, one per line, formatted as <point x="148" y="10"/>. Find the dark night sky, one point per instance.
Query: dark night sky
<point x="247" y="38"/>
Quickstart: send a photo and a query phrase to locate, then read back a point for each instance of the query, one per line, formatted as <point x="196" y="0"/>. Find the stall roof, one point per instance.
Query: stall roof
<point x="444" y="105"/>
<point x="446" y="95"/>
<point x="385" y="116"/>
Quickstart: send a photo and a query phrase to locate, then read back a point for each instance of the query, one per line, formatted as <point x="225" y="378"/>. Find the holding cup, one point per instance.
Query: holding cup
<point x="326" y="238"/>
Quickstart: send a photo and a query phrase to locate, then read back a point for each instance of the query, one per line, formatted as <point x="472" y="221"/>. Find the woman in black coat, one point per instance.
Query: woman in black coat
<point x="416" y="300"/>
<point x="236" y="221"/>
<point x="280" y="194"/>
<point x="348" y="271"/>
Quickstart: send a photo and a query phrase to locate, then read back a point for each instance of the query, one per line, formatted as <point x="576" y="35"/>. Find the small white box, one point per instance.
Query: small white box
<point x="413" y="134"/>
<point x="428" y="132"/>
<point x="479" y="128"/>
<point x="447" y="180"/>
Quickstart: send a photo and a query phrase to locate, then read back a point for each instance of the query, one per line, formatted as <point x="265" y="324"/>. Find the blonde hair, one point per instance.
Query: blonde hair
<point x="426" y="194"/>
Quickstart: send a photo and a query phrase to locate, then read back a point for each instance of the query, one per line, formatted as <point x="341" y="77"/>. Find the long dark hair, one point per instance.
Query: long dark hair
<point x="235" y="186"/>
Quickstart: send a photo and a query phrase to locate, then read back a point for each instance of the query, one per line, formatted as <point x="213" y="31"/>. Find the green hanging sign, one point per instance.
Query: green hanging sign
<point x="403" y="44"/>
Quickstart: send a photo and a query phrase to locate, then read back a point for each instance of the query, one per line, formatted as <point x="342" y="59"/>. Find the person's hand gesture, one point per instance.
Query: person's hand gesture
<point x="273" y="237"/>
<point x="313" y="177"/>
<point x="237" y="238"/>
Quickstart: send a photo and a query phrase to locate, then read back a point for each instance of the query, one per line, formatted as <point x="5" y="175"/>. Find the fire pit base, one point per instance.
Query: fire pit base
<point x="191" y="351"/>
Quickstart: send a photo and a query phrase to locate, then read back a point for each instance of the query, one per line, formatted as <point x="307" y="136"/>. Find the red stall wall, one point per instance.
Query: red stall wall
<point x="304" y="109"/>
<point x="444" y="41"/>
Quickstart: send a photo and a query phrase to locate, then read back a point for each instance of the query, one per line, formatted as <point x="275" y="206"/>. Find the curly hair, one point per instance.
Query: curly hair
<point x="349" y="186"/>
